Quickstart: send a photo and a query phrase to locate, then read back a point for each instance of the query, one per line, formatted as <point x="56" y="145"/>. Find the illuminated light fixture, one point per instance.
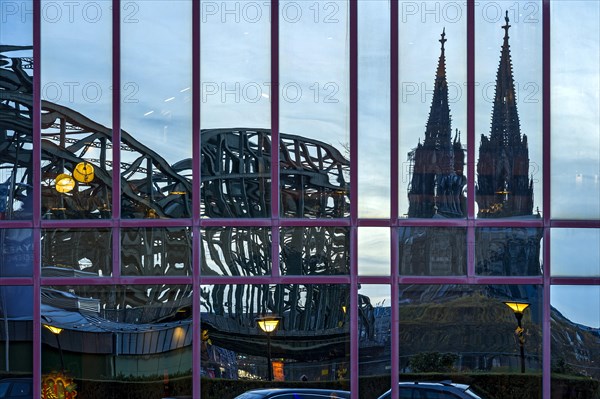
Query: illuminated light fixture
<point x="344" y="309"/>
<point x="177" y="192"/>
<point x="84" y="172"/>
<point x="268" y="324"/>
<point x="517" y="307"/>
<point x="54" y="330"/>
<point x="64" y="183"/>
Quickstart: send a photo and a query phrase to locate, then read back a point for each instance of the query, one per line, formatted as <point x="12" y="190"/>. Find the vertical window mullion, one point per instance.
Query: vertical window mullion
<point x="275" y="143"/>
<point x="546" y="177"/>
<point x="116" y="137"/>
<point x="394" y="164"/>
<point x="37" y="201"/>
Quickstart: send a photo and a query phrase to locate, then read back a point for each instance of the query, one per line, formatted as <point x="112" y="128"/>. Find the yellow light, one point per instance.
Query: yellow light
<point x="177" y="193"/>
<point x="84" y="172"/>
<point x="64" y="183"/>
<point x="55" y="330"/>
<point x="344" y="308"/>
<point x="268" y="324"/>
<point x="517" y="307"/>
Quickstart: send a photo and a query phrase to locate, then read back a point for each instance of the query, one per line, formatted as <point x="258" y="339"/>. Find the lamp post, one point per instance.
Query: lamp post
<point x="268" y="324"/>
<point x="56" y="331"/>
<point x="518" y="308"/>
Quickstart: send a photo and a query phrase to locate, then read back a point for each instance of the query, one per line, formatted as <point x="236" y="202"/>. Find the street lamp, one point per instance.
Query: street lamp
<point x="268" y="324"/>
<point x="56" y="331"/>
<point x="518" y="308"/>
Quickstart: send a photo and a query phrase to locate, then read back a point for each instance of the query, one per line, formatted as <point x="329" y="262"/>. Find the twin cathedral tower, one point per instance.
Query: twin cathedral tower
<point x="503" y="188"/>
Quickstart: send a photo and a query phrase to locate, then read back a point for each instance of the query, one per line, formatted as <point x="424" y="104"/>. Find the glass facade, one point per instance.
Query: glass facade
<point x="198" y="198"/>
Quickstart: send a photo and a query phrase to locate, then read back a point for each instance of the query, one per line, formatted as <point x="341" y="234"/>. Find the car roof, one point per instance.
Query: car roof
<point x="278" y="391"/>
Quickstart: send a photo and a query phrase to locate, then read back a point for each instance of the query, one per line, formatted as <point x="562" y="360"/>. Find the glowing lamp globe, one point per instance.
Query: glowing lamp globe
<point x="64" y="183"/>
<point x="55" y="330"/>
<point x="517" y="307"/>
<point x="83" y="172"/>
<point x="268" y="324"/>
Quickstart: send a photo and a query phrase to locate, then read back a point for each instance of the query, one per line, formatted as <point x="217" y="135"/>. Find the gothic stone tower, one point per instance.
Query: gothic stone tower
<point x="503" y="187"/>
<point x="437" y="177"/>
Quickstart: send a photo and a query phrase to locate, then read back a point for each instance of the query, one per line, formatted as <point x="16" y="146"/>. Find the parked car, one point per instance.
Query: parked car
<point x="432" y="390"/>
<point x="16" y="388"/>
<point x="294" y="393"/>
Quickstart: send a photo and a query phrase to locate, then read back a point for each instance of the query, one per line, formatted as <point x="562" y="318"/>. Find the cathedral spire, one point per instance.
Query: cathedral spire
<point x="438" y="123"/>
<point x="505" y="118"/>
<point x="503" y="186"/>
<point x="437" y="181"/>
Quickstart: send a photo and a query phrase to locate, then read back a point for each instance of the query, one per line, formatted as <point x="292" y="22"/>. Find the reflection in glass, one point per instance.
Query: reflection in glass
<point x="433" y="251"/>
<point x="509" y="160"/>
<point x="76" y="109"/>
<point x="575" y="252"/>
<point x="374" y="251"/>
<point x="236" y="165"/>
<point x="119" y="339"/>
<point x="468" y="329"/>
<point x="430" y="96"/>
<point x="16" y="124"/>
<point x="313" y="66"/>
<point x="503" y="251"/>
<point x="156" y="251"/>
<point x="315" y="250"/>
<point x="575" y="345"/>
<point x="16" y="253"/>
<point x="373" y="108"/>
<point x="575" y="114"/>
<point x="374" y="323"/>
<point x="157" y="112"/>
<point x="76" y="252"/>
<point x="16" y="339"/>
<point x="236" y="251"/>
<point x="312" y="339"/>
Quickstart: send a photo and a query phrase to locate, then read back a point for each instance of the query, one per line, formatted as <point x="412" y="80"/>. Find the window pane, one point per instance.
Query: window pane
<point x="16" y="113"/>
<point x="575" y="346"/>
<point x="432" y="251"/>
<point x="16" y="338"/>
<point x="156" y="114"/>
<point x="575" y="252"/>
<point x="76" y="109"/>
<point x="502" y="251"/>
<point x="469" y="330"/>
<point x="313" y="66"/>
<point x="117" y="340"/>
<point x="311" y="339"/>
<point x="374" y="251"/>
<point x="433" y="72"/>
<point x="315" y="250"/>
<point x="16" y="253"/>
<point x="575" y="113"/>
<point x="508" y="114"/>
<point x="156" y="252"/>
<point x="235" y="109"/>
<point x="373" y="108"/>
<point x="76" y="252"/>
<point x="236" y="251"/>
<point x="374" y="324"/>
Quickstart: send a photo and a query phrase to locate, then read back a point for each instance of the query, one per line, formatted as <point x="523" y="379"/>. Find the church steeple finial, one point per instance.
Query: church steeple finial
<point x="443" y="39"/>
<point x="505" y="27"/>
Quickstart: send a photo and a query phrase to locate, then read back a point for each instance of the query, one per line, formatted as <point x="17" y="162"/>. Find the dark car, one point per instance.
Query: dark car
<point x="432" y="390"/>
<point x="12" y="388"/>
<point x="294" y="393"/>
